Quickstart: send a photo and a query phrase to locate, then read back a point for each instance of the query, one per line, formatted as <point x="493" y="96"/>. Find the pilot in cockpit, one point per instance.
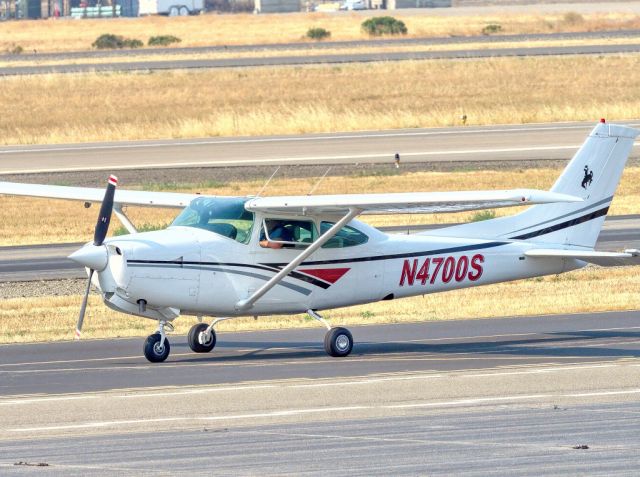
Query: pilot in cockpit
<point x="277" y="231"/>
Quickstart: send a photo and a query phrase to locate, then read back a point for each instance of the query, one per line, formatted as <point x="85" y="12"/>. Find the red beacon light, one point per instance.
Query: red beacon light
<point x="602" y="120"/>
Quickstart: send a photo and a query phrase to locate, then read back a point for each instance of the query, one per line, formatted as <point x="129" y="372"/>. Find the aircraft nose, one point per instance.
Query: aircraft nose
<point x="91" y="256"/>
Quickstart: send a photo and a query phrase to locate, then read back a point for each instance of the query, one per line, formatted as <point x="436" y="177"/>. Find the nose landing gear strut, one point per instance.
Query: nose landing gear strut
<point x="156" y="346"/>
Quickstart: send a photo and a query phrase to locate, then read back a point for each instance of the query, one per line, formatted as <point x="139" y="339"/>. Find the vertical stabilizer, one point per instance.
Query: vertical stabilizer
<point x="593" y="174"/>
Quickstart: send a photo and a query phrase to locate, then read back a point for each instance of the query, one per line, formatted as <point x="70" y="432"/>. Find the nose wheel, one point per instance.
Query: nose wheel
<point x="156" y="349"/>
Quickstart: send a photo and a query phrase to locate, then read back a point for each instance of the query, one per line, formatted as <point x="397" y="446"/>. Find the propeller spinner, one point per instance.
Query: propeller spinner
<point x="95" y="256"/>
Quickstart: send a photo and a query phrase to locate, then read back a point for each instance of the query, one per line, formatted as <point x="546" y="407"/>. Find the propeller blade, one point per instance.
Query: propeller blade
<point x="83" y="307"/>
<point x="106" y="208"/>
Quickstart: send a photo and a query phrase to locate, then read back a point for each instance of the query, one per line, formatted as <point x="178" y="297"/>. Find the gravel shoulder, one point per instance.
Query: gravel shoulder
<point x="65" y="287"/>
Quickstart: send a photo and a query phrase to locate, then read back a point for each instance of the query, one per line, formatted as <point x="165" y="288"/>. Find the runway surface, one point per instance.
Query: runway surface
<point x="474" y="397"/>
<point x="322" y="45"/>
<point x="102" y="365"/>
<point x="477" y="143"/>
<point x="49" y="262"/>
<point x="293" y="60"/>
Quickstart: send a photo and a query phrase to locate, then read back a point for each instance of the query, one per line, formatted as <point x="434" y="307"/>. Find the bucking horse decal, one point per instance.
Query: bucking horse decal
<point x="588" y="177"/>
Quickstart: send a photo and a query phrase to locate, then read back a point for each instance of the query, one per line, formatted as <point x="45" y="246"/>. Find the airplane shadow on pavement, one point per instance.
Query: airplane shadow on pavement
<point x="579" y="344"/>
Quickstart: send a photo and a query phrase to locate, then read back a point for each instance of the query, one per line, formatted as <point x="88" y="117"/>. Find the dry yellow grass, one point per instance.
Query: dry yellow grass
<point x="284" y="100"/>
<point x="589" y="290"/>
<point x="30" y="221"/>
<point x="63" y="35"/>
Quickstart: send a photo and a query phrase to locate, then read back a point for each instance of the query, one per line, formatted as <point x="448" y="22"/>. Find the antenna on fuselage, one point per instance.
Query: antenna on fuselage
<point x="267" y="183"/>
<point x="315" y="186"/>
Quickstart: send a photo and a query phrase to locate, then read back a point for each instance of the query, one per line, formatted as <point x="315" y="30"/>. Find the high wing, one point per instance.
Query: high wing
<point x="604" y="259"/>
<point x="405" y="203"/>
<point x="88" y="194"/>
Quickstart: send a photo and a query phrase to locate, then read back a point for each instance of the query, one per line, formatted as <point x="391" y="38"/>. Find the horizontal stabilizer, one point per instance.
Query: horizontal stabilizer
<point x="604" y="259"/>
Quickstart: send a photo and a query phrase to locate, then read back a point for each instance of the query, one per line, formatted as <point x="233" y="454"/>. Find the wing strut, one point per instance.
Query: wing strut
<point x="247" y="303"/>
<point x="124" y="220"/>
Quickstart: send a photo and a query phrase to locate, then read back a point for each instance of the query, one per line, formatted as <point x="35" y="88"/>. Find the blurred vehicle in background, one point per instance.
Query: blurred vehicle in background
<point x="354" y="5"/>
<point x="172" y="8"/>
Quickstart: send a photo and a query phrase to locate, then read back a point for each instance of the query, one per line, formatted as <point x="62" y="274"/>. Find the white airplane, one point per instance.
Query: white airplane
<point x="227" y="257"/>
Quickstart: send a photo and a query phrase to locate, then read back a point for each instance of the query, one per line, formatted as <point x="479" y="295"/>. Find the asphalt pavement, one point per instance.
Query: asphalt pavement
<point x="338" y="58"/>
<point x="103" y="365"/>
<point x="520" y="143"/>
<point x="580" y="439"/>
<point x="553" y="395"/>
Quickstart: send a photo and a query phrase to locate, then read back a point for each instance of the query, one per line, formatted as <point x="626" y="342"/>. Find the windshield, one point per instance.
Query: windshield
<point x="222" y="215"/>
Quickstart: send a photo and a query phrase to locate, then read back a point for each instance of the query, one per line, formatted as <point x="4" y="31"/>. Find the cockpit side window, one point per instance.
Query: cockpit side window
<point x="346" y="236"/>
<point x="287" y="233"/>
<point x="223" y="216"/>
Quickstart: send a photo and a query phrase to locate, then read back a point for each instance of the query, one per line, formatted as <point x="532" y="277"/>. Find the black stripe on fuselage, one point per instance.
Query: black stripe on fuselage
<point x="275" y="267"/>
<point x="563" y="225"/>
<point x="424" y="253"/>
<point x="463" y="248"/>
<point x="213" y="268"/>
<point x="191" y="264"/>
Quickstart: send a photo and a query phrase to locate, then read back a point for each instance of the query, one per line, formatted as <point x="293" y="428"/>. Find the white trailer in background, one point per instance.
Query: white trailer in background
<point x="172" y="8"/>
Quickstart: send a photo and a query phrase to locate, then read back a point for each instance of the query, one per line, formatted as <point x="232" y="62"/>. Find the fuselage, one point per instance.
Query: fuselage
<point x="190" y="270"/>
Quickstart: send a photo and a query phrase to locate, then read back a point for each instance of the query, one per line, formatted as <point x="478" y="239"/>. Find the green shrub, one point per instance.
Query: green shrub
<point x="16" y="50"/>
<point x="109" y="41"/>
<point x="132" y="43"/>
<point x="378" y="26"/>
<point x="573" y="18"/>
<point x="491" y="28"/>
<point x="318" y="33"/>
<point x="483" y="215"/>
<point x="141" y="228"/>
<point x="163" y="40"/>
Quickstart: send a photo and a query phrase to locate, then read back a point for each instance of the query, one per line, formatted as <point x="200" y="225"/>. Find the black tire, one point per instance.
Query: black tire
<point x="152" y="351"/>
<point x="338" y="342"/>
<point x="192" y="339"/>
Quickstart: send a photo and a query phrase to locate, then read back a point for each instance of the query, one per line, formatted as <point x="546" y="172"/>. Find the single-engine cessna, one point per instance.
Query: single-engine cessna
<point x="227" y="257"/>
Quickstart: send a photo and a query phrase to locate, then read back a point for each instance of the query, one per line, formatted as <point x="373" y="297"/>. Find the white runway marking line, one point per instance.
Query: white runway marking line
<point x="292" y="412"/>
<point x="278" y="160"/>
<point x="338" y="136"/>
<point x="539" y="371"/>
<point x="403" y="440"/>
<point x="47" y="399"/>
<point x="308" y="361"/>
<point x="356" y="381"/>
<point x="299" y="412"/>
<point x="311" y="346"/>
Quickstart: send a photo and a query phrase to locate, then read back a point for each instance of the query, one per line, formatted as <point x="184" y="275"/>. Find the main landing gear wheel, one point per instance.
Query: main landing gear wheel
<point x="338" y="342"/>
<point x="154" y="351"/>
<point x="194" y="337"/>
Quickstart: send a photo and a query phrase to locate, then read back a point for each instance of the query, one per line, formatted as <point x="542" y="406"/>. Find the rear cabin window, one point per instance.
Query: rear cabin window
<point x="346" y="237"/>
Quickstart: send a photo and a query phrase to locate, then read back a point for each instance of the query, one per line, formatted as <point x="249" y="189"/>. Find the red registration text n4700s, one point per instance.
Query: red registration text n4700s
<point x="442" y="269"/>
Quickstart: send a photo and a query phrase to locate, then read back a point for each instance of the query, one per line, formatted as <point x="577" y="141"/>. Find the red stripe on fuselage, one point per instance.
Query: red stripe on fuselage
<point x="330" y="275"/>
